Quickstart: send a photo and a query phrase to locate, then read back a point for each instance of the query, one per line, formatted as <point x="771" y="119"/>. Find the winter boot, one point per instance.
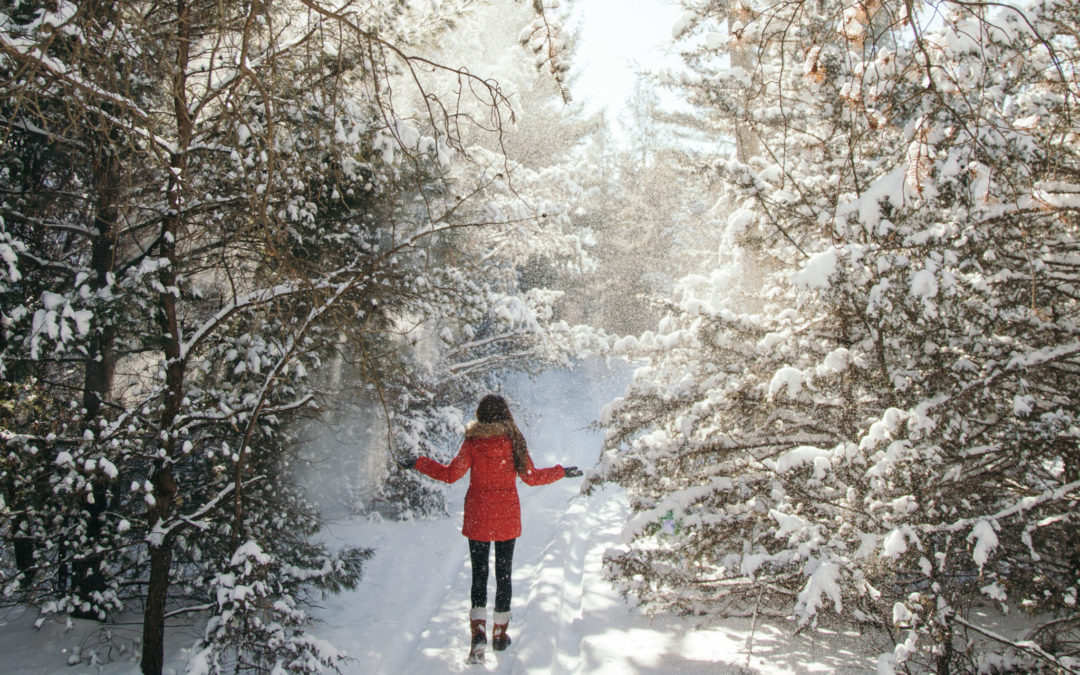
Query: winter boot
<point x="478" y="625"/>
<point x="499" y="639"/>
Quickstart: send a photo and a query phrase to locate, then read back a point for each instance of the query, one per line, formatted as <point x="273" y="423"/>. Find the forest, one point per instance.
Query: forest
<point x="837" y="248"/>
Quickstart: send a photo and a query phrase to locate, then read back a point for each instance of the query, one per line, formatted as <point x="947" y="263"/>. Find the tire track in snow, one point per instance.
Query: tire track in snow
<point x="572" y="561"/>
<point x="552" y="569"/>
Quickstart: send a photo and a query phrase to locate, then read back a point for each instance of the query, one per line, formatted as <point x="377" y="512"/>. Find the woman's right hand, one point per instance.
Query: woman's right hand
<point x="571" y="472"/>
<point x="408" y="463"/>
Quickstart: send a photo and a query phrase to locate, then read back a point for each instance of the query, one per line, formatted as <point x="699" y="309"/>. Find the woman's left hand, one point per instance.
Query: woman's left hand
<point x="571" y="472"/>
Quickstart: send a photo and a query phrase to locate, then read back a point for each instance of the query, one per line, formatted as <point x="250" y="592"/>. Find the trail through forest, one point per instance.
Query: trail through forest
<point x="409" y="614"/>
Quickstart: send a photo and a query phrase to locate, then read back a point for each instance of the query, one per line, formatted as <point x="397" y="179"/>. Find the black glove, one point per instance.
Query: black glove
<point x="408" y="463"/>
<point x="571" y="472"/>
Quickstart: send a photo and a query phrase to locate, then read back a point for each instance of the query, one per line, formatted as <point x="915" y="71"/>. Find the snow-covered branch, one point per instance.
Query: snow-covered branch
<point x="161" y="530"/>
<point x="1026" y="504"/>
<point x="1025" y="646"/>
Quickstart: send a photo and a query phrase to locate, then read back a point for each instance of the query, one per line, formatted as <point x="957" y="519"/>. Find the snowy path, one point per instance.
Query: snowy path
<point x="409" y="614"/>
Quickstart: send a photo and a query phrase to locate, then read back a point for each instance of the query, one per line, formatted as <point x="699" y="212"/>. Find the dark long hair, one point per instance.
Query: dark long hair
<point x="493" y="409"/>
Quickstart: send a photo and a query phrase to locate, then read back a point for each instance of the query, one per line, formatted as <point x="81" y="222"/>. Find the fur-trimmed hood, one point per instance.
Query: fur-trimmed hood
<point x="475" y="429"/>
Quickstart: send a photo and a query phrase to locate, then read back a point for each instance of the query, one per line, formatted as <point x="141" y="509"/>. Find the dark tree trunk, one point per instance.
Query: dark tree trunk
<point x="153" y="652"/>
<point x="165" y="488"/>
<point x="23" y="547"/>
<point x="24" y="560"/>
<point x="100" y="370"/>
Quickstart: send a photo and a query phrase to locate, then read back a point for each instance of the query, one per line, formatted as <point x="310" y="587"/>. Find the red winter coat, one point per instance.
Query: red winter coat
<point x="492" y="509"/>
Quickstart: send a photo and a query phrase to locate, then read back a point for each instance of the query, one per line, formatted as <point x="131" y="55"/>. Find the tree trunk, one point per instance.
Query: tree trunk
<point x="87" y="577"/>
<point x="746" y="141"/>
<point x="24" y="548"/>
<point x="165" y="488"/>
<point x="743" y="56"/>
<point x="153" y="653"/>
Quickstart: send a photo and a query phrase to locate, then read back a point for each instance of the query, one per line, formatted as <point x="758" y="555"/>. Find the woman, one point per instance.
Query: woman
<point x="495" y="451"/>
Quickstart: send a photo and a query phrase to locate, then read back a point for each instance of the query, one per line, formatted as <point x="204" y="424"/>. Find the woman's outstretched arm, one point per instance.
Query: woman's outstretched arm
<point x="534" y="476"/>
<point x="447" y="473"/>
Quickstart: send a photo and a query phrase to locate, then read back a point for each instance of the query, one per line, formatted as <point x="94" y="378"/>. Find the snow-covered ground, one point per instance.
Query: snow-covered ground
<point x="409" y="615"/>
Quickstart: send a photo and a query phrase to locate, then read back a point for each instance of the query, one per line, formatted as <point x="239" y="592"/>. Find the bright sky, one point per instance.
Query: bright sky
<point x="618" y="37"/>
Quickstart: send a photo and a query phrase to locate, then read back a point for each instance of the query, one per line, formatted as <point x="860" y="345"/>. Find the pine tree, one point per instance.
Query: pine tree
<point x="865" y="411"/>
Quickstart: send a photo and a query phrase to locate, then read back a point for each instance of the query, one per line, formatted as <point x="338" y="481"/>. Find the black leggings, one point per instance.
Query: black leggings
<point x="504" y="560"/>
